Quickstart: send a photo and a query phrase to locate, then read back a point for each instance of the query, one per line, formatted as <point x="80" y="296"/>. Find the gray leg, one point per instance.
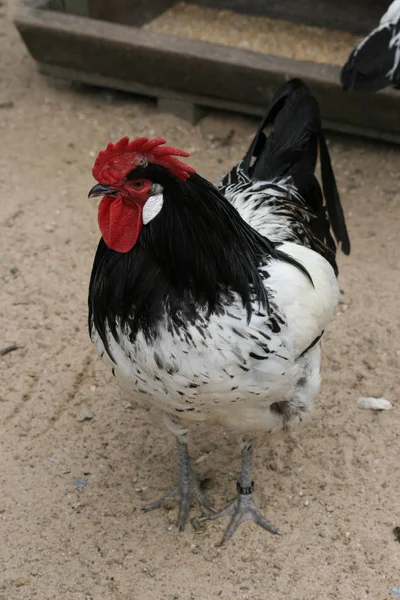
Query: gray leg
<point x="188" y="489"/>
<point x="243" y="507"/>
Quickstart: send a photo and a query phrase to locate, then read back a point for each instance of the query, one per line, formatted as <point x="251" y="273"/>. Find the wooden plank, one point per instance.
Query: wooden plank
<point x="201" y="101"/>
<point x="244" y="79"/>
<point x="37" y="4"/>
<point x="128" y="12"/>
<point x="76" y="7"/>
<point x="184" y="108"/>
<point x="152" y="91"/>
<point x="55" y="5"/>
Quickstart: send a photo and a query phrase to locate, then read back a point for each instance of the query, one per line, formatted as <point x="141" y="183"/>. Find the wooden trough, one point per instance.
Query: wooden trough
<point x="87" y="41"/>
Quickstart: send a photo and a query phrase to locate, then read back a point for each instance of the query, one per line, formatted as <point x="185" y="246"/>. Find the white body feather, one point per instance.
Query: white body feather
<point x="230" y="370"/>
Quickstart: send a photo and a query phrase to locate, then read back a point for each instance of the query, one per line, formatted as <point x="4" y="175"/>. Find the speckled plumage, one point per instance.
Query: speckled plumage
<point x="217" y="312"/>
<point x="220" y="367"/>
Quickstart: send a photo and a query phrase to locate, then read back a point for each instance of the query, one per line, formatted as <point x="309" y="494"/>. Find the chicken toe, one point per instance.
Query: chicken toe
<point x="188" y="490"/>
<point x="243" y="507"/>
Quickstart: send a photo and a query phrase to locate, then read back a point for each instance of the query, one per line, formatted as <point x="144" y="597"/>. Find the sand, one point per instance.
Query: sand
<point x="259" y="34"/>
<point x="70" y="527"/>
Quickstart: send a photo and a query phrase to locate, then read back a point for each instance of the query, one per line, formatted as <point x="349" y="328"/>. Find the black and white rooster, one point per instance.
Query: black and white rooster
<point x="375" y="63"/>
<point x="209" y="302"/>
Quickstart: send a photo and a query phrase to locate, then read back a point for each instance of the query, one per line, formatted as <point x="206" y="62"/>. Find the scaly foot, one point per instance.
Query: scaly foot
<point x="184" y="495"/>
<point x="242" y="509"/>
<point x="188" y="489"/>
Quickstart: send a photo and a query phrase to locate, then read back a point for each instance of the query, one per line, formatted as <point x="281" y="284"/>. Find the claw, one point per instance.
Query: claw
<point x="184" y="496"/>
<point x="159" y="503"/>
<point x="241" y="509"/>
<point x="188" y="489"/>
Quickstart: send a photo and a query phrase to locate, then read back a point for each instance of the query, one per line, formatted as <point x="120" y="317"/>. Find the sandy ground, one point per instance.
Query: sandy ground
<point x="333" y="488"/>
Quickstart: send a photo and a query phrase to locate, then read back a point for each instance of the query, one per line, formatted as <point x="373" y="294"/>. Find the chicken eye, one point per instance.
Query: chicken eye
<point x="138" y="184"/>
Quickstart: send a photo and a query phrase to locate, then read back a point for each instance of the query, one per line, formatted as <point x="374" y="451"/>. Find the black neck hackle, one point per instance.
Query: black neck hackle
<point x="193" y="255"/>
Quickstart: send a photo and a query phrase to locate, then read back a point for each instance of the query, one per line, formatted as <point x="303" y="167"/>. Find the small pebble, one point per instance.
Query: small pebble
<point x="211" y="554"/>
<point x="8" y="349"/>
<point x="141" y="489"/>
<point x="80" y="482"/>
<point x="247" y="559"/>
<point x="208" y="447"/>
<point x="198" y="525"/>
<point x="374" y="403"/>
<point x="169" y="503"/>
<point x="330" y="508"/>
<point x="20" y="582"/>
<point x="84" y="413"/>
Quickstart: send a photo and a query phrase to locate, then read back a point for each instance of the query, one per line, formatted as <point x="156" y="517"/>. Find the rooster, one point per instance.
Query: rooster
<point x="375" y="63"/>
<point x="208" y="302"/>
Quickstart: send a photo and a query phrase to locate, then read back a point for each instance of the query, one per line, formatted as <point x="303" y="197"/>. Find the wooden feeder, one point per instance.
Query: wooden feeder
<point x="104" y="43"/>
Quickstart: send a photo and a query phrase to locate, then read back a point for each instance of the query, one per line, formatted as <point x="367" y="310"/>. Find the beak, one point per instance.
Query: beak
<point x="101" y="190"/>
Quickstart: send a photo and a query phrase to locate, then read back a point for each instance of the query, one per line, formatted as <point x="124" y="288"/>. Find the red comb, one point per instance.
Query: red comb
<point x="115" y="162"/>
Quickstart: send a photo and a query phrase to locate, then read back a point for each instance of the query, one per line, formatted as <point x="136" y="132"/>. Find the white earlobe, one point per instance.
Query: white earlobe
<point x="152" y="208"/>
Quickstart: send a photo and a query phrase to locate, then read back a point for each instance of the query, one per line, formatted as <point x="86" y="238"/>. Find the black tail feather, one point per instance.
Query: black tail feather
<point x="291" y="149"/>
<point x="279" y="151"/>
<point x="333" y="204"/>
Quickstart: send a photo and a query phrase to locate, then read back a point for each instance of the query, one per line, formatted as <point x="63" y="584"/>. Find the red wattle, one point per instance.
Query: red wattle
<point x="119" y="224"/>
